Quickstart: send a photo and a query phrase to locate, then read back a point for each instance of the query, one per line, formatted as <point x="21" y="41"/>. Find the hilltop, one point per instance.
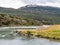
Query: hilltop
<point x="35" y="13"/>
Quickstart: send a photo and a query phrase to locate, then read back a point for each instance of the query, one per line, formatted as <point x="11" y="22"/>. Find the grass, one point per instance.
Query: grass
<point x="52" y="32"/>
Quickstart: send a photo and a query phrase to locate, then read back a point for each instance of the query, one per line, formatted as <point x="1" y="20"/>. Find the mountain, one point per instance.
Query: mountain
<point x="41" y="14"/>
<point x="37" y="7"/>
<point x="30" y="8"/>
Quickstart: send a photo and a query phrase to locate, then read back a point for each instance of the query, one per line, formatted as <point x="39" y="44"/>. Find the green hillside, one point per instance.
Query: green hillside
<point x="30" y="15"/>
<point x="14" y="20"/>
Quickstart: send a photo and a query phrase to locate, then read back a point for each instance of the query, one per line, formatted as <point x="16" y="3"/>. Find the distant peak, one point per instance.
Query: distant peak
<point x="32" y="5"/>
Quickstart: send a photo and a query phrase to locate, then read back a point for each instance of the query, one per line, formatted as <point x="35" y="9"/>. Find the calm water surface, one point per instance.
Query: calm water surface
<point x="9" y="38"/>
<point x="28" y="42"/>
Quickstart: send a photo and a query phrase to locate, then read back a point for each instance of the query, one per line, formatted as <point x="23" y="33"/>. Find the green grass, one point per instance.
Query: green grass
<point x="52" y="32"/>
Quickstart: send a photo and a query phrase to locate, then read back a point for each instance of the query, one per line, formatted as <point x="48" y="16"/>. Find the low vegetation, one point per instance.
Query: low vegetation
<point x="14" y="20"/>
<point x="17" y="20"/>
<point x="52" y="32"/>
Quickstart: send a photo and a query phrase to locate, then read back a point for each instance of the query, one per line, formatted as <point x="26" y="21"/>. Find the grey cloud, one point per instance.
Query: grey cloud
<point x="54" y="3"/>
<point x="40" y="1"/>
<point x="33" y="1"/>
<point x="20" y="3"/>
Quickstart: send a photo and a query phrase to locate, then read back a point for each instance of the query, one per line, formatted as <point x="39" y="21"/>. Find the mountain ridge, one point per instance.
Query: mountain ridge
<point x="42" y="14"/>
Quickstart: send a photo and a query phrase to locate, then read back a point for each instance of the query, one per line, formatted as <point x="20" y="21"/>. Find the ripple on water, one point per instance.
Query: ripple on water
<point x="37" y="41"/>
<point x="14" y="40"/>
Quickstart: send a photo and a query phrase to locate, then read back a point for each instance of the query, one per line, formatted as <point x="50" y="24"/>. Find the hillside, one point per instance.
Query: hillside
<point x="40" y="14"/>
<point x="14" y="20"/>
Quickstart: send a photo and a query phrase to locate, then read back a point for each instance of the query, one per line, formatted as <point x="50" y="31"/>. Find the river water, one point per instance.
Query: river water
<point x="7" y="37"/>
<point x="37" y="41"/>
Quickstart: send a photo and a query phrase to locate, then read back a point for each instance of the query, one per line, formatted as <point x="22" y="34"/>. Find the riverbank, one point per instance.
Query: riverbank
<point x="52" y="32"/>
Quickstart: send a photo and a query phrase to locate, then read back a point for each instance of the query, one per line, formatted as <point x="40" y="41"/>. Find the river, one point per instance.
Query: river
<point x="9" y="38"/>
<point x="37" y="41"/>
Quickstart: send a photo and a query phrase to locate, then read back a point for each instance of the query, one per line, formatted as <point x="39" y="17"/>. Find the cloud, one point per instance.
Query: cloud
<point x="19" y="3"/>
<point x="55" y="3"/>
<point x="11" y="3"/>
<point x="40" y="1"/>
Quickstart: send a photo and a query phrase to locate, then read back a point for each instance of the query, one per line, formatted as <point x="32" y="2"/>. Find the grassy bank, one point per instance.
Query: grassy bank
<point x="52" y="32"/>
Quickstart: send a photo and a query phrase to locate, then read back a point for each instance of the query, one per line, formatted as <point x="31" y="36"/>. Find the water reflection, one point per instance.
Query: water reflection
<point x="36" y="41"/>
<point x="8" y="37"/>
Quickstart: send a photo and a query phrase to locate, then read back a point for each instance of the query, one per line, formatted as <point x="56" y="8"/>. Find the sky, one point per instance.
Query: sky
<point x="20" y="3"/>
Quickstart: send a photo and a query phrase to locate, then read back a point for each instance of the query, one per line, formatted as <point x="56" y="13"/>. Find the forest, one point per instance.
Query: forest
<point x="29" y="16"/>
